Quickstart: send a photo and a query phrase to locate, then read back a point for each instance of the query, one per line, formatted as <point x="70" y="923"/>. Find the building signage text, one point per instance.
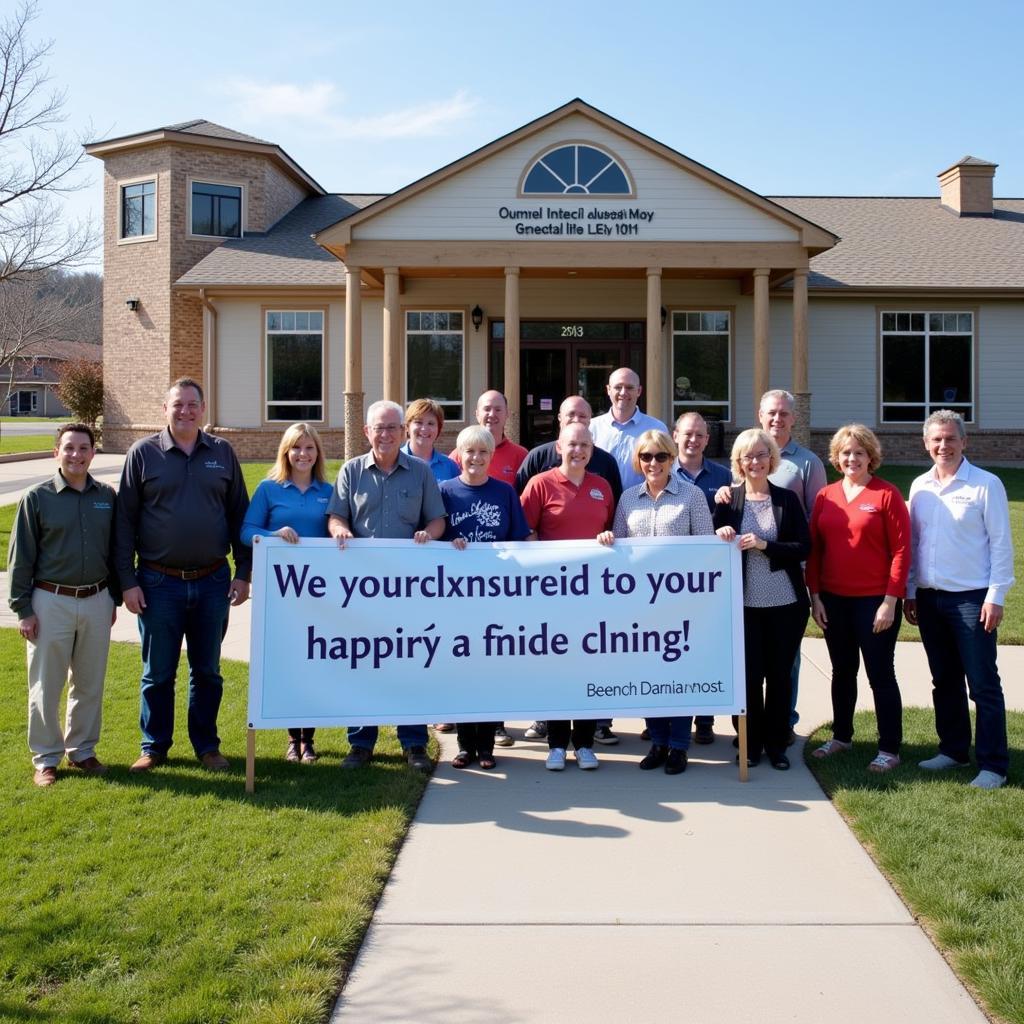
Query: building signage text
<point x="577" y="221"/>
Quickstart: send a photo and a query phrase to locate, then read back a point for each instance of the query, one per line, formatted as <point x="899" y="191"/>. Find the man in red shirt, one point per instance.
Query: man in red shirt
<point x="492" y="412"/>
<point x="568" y="503"/>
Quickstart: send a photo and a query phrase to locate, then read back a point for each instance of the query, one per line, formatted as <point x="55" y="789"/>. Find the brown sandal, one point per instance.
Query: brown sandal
<point x="487" y="762"/>
<point x="463" y="759"/>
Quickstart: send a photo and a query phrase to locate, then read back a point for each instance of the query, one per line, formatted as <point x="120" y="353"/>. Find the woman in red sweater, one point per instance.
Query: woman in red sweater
<point x="857" y="576"/>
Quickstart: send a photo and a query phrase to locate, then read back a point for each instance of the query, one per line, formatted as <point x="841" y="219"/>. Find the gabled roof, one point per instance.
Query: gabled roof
<point x="914" y="243"/>
<point x="200" y="132"/>
<point x="812" y="234"/>
<point x="285" y="256"/>
<point x="48" y="355"/>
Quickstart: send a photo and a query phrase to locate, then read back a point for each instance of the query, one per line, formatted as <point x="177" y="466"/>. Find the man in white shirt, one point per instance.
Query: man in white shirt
<point x="617" y="431"/>
<point x="962" y="568"/>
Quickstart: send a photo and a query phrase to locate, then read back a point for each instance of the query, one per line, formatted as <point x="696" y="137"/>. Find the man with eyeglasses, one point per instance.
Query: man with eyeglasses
<point x="618" y="429"/>
<point x="180" y="506"/>
<point x="691" y="437"/>
<point x="389" y="494"/>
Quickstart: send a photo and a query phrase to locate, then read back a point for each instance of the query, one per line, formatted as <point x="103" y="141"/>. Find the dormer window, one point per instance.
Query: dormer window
<point x="216" y="209"/>
<point x="577" y="169"/>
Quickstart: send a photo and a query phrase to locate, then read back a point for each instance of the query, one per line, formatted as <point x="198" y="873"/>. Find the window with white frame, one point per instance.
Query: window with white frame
<point x="701" y="363"/>
<point x="216" y="209"/>
<point x="295" y="365"/>
<point x="927" y="364"/>
<point x="138" y="209"/>
<point x="434" y="346"/>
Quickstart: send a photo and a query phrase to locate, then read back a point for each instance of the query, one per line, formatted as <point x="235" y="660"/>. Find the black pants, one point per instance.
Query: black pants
<point x="476" y="738"/>
<point x="580" y="732"/>
<point x="771" y="639"/>
<point x="848" y="637"/>
<point x="301" y="735"/>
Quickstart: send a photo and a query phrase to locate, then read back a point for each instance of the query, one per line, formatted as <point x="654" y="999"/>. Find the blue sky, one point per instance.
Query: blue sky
<point x="851" y="99"/>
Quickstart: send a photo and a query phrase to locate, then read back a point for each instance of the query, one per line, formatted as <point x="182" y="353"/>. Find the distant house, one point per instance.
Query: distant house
<point x="537" y="264"/>
<point x="33" y="385"/>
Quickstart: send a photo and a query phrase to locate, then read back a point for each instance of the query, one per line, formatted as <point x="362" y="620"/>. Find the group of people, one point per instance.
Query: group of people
<point x="851" y="554"/>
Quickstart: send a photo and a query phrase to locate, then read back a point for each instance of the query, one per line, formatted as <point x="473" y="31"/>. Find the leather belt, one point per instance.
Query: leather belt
<point x="62" y="591"/>
<point x="184" y="574"/>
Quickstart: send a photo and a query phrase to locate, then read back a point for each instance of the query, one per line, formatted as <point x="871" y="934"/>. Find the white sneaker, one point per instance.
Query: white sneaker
<point x="939" y="763"/>
<point x="556" y="759"/>
<point x="586" y="758"/>
<point x="537" y="731"/>
<point x="988" y="780"/>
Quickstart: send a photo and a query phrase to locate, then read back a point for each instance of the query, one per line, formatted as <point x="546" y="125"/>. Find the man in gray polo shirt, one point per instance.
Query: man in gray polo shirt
<point x="386" y="493"/>
<point x="180" y="506"/>
<point x="801" y="471"/>
<point x="64" y="591"/>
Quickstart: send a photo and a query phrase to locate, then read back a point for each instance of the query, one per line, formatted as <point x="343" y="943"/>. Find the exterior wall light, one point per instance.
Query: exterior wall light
<point x="477" y="316"/>
<point x="132" y="304"/>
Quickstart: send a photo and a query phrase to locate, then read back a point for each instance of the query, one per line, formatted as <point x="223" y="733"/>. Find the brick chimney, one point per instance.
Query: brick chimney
<point x="967" y="187"/>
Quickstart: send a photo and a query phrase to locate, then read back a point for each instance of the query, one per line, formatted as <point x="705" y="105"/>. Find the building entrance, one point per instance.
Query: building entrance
<point x="559" y="358"/>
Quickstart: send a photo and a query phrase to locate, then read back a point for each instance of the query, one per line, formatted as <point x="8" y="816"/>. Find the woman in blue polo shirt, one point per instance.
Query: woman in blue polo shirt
<point x="292" y="503"/>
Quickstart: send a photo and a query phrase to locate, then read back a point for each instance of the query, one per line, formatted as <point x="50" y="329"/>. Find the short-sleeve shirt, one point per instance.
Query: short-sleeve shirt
<point x="486" y="512"/>
<point x="508" y="457"/>
<point x="559" y="510"/>
<point x="545" y="456"/>
<point x="802" y="472"/>
<point x="711" y="477"/>
<point x="440" y="465"/>
<point x="387" y="505"/>
<point x="275" y="504"/>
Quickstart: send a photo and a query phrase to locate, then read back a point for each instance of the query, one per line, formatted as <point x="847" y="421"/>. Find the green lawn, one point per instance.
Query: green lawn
<point x="173" y="897"/>
<point x="33" y="419"/>
<point x="12" y="444"/>
<point x="954" y="854"/>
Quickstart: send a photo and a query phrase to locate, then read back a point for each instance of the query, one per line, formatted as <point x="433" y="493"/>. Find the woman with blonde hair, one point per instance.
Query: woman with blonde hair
<point x="767" y="524"/>
<point x="857" y="575"/>
<point x="292" y="503"/>
<point x="663" y="505"/>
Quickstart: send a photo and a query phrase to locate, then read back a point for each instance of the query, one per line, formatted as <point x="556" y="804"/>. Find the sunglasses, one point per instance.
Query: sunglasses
<point x="659" y="457"/>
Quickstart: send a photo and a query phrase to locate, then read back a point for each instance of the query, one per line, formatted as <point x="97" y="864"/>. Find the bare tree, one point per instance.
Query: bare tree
<point x="38" y="160"/>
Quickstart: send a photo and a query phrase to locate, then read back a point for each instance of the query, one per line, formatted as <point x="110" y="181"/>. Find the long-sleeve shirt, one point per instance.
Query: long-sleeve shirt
<point x="62" y="536"/>
<point x="183" y="511"/>
<point x="961" y="532"/>
<point x="859" y="548"/>
<point x="276" y="504"/>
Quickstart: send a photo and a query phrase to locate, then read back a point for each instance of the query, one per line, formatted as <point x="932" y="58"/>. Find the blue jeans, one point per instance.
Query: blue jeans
<point x="176" y="610"/>
<point x="957" y="647"/>
<point x="671" y="732"/>
<point x="366" y="736"/>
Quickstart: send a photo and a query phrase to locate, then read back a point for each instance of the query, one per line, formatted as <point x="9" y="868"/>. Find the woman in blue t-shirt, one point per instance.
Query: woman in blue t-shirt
<point x="292" y="503"/>
<point x="479" y="509"/>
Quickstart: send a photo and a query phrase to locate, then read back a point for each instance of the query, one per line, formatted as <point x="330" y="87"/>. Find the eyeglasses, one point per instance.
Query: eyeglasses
<point x="756" y="457"/>
<point x="386" y="428"/>
<point x="658" y="457"/>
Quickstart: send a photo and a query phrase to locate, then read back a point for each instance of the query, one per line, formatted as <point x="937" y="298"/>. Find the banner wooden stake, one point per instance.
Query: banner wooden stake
<point x="250" y="761"/>
<point x="744" y="770"/>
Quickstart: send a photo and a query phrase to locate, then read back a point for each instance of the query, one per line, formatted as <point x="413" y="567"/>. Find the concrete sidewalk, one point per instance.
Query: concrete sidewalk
<point x="524" y="895"/>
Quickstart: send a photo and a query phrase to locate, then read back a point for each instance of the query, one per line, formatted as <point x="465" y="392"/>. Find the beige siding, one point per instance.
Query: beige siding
<point x="466" y="207"/>
<point x="1001" y="350"/>
<point x="239" y="362"/>
<point x="843" y="364"/>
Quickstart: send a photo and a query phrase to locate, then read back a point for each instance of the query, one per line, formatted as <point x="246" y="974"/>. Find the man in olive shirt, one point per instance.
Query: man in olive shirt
<point x="180" y="508"/>
<point x="64" y="591"/>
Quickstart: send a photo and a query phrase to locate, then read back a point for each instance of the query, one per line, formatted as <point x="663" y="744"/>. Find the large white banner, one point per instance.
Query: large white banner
<point x="392" y="631"/>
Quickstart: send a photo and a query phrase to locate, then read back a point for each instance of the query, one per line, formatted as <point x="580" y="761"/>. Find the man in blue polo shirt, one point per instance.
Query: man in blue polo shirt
<point x="691" y="437"/>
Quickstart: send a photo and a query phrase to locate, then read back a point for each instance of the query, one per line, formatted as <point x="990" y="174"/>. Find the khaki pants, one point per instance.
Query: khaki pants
<point x="72" y="647"/>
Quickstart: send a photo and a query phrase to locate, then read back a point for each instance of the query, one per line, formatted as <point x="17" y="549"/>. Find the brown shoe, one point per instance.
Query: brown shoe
<point x="215" y="761"/>
<point x="89" y="765"/>
<point x="45" y="776"/>
<point x="147" y="762"/>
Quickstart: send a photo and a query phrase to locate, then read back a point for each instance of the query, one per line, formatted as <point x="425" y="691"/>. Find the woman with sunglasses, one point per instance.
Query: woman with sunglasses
<point x="768" y="525"/>
<point x="664" y="505"/>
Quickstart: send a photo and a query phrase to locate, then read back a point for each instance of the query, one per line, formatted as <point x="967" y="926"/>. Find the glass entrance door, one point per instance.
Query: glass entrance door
<point x="558" y="359"/>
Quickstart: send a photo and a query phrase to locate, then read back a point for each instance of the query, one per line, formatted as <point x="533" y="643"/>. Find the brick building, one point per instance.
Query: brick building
<point x="536" y="264"/>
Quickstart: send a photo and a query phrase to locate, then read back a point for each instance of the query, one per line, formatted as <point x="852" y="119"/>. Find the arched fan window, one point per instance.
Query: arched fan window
<point x="577" y="169"/>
